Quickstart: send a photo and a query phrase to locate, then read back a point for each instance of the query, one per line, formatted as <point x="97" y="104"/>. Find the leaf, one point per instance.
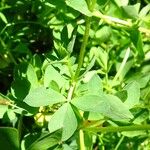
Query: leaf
<point x="92" y="84"/>
<point x="51" y="74"/>
<point x="79" y="5"/>
<point x="64" y="36"/>
<point x="131" y="11"/>
<point x="137" y="41"/>
<point x="2" y="16"/>
<point x="65" y="119"/>
<point x="67" y="147"/>
<point x="32" y="77"/>
<point x="9" y="138"/>
<point x="43" y="97"/>
<point x="101" y="57"/>
<point x="3" y="109"/>
<point x="126" y="68"/>
<point x="60" y="4"/>
<point x="41" y="141"/>
<point x="20" y="88"/>
<point x="122" y="2"/>
<point x="144" y="11"/>
<point x="103" y="34"/>
<point x="133" y="94"/>
<point x="132" y="134"/>
<point x="72" y="41"/>
<point x="108" y="105"/>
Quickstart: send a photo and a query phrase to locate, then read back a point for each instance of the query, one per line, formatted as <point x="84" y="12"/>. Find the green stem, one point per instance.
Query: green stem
<point x="70" y="92"/>
<point x="119" y="143"/>
<point x="119" y="22"/>
<point x="82" y="146"/>
<point x="119" y="129"/>
<point x="83" y="47"/>
<point x="122" y="65"/>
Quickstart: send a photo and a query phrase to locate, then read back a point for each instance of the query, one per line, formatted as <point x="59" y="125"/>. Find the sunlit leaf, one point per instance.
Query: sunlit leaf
<point x="133" y="94"/>
<point x="42" y="97"/>
<point x="65" y="119"/>
<point x="108" y="105"/>
<point x="79" y="5"/>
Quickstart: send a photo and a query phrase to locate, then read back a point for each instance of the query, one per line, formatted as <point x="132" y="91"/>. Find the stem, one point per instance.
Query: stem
<point x="119" y="143"/>
<point x="70" y="92"/>
<point x="83" y="47"/>
<point x="110" y="20"/>
<point x="119" y="129"/>
<point x="122" y="65"/>
<point x="91" y="5"/>
<point x="102" y="143"/>
<point x="82" y="146"/>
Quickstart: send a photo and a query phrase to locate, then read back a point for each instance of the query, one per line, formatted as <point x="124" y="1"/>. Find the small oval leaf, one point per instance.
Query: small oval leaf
<point x="43" y="97"/>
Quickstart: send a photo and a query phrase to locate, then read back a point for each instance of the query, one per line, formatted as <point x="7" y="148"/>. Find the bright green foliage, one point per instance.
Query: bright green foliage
<point x="52" y="75"/>
<point x="43" y="97"/>
<point x="108" y="105"/>
<point x="133" y="94"/>
<point x="79" y="5"/>
<point x="72" y="71"/>
<point x="64" y="119"/>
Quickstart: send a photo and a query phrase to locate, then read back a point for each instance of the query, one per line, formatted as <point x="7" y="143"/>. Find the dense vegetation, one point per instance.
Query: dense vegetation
<point x="74" y="74"/>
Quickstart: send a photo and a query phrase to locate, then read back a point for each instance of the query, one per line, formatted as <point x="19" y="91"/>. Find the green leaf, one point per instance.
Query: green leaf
<point x="103" y="34"/>
<point x="43" y="97"/>
<point x="142" y="78"/>
<point x="108" y="105"/>
<point x="64" y="36"/>
<point x="2" y="16"/>
<point x="51" y="74"/>
<point x="72" y="41"/>
<point x="79" y="5"/>
<point x="137" y="41"/>
<point x="126" y="68"/>
<point x="132" y="134"/>
<point x="101" y="57"/>
<point x="144" y="11"/>
<point x="9" y="138"/>
<point x="32" y="77"/>
<point x="133" y="94"/>
<point x="3" y="109"/>
<point x="20" y="88"/>
<point x="67" y="147"/>
<point x="65" y="119"/>
<point x="60" y="4"/>
<point x="131" y="11"/>
<point x="122" y="2"/>
<point x="41" y="141"/>
<point x="92" y="84"/>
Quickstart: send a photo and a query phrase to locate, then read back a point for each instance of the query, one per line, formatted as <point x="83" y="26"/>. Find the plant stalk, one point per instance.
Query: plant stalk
<point x="111" y="20"/>
<point x="119" y="129"/>
<point x="81" y="134"/>
<point x="122" y="65"/>
<point x="83" y="47"/>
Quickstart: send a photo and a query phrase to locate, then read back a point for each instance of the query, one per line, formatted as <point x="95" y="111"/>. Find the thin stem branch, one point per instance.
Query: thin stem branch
<point x="110" y="20"/>
<point x="82" y="146"/>
<point x="122" y="65"/>
<point x="70" y="92"/>
<point x="119" y="143"/>
<point x="83" y="47"/>
<point x="119" y="129"/>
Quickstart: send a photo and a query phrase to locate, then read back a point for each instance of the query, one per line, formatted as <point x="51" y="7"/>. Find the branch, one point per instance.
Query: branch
<point x="118" y="129"/>
<point x="110" y="20"/>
